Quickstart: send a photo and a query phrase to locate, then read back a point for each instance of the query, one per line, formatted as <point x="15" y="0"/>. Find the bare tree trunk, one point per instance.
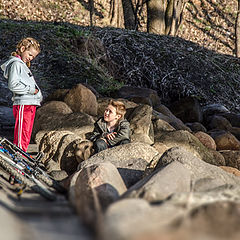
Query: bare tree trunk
<point x="91" y="11"/>
<point x="156" y="16"/>
<point x="169" y="16"/>
<point x="164" y="16"/>
<point x="237" y="31"/>
<point x="177" y="16"/>
<point x="116" y="14"/>
<point x="128" y="13"/>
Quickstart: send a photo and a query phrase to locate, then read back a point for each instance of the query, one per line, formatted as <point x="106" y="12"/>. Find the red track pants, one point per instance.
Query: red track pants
<point x="24" y="118"/>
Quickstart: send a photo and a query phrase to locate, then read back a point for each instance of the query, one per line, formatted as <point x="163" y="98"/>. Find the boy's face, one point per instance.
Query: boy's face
<point x="29" y="54"/>
<point x="110" y="114"/>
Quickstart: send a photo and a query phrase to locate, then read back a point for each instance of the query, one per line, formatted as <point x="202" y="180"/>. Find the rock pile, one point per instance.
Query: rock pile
<point x="177" y="179"/>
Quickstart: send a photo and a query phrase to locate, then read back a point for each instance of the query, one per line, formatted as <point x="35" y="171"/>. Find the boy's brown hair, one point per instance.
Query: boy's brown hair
<point x="120" y="107"/>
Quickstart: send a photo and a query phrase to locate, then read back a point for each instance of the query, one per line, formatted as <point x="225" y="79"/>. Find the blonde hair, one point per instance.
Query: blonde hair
<point x="27" y="43"/>
<point x="120" y="107"/>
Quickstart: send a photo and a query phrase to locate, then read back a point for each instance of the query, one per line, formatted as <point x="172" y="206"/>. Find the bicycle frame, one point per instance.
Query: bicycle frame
<point x="28" y="167"/>
<point x="8" y="144"/>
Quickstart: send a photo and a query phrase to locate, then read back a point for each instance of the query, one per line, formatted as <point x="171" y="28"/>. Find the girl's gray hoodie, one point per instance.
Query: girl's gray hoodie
<point x="21" y="82"/>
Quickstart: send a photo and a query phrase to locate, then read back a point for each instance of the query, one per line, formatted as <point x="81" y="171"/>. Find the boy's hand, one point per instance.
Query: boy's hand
<point x="111" y="136"/>
<point x="36" y="91"/>
<point x="104" y="140"/>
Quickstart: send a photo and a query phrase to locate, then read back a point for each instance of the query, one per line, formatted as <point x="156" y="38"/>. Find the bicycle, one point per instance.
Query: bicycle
<point x="27" y="170"/>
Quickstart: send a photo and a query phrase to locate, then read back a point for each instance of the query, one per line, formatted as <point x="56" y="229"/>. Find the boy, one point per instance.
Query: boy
<point x="112" y="129"/>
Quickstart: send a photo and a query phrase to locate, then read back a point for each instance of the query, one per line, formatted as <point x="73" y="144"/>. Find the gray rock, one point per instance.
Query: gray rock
<point x="204" y="176"/>
<point x="141" y="124"/>
<point x="187" y="109"/>
<point x="81" y="99"/>
<point x="196" y="126"/>
<point x="59" y="175"/>
<point x="162" y="112"/>
<point x="49" y="143"/>
<point x="65" y="154"/>
<point x="97" y="186"/>
<point x="232" y="158"/>
<point x="131" y="219"/>
<point x="79" y="123"/>
<point x="139" y="95"/>
<point x="130" y="159"/>
<point x="188" y="141"/>
<point x="161" y="183"/>
<point x="214" y="109"/>
<point x="219" y="122"/>
<point x="183" y="216"/>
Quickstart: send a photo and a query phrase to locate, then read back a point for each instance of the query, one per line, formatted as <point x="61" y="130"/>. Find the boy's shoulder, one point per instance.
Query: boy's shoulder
<point x="124" y="122"/>
<point x="100" y="121"/>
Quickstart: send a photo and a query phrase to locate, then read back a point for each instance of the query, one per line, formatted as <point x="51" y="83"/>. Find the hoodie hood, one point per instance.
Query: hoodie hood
<point x="5" y="66"/>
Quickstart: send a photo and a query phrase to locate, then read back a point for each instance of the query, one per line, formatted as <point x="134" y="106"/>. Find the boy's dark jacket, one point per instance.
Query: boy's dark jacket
<point x="100" y="131"/>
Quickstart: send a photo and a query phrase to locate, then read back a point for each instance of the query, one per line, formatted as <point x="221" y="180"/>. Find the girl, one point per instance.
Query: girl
<point x="26" y="93"/>
<point x="111" y="129"/>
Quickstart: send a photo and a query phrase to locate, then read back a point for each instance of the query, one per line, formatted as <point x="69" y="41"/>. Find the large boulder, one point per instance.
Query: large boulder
<point x="213" y="109"/>
<point x="46" y="112"/>
<point x="163" y="113"/>
<point x="141" y="124"/>
<point x="204" y="176"/>
<point x="82" y="99"/>
<point x="139" y="95"/>
<point x="160" y="126"/>
<point x="184" y="216"/>
<point x="131" y="219"/>
<point x="225" y="140"/>
<point x="218" y="122"/>
<point x="233" y="118"/>
<point x="130" y="159"/>
<point x="196" y="127"/>
<point x="162" y="183"/>
<point x="179" y="171"/>
<point x="188" y="109"/>
<point x="58" y="148"/>
<point x="189" y="142"/>
<point x="206" y="140"/>
<point x="53" y="107"/>
<point x="232" y="158"/>
<point x="97" y="186"/>
<point x="79" y="123"/>
<point x="49" y="144"/>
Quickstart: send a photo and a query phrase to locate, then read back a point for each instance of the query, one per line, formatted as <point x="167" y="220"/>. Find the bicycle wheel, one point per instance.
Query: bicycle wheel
<point x="40" y="188"/>
<point x="43" y="176"/>
<point x="10" y="166"/>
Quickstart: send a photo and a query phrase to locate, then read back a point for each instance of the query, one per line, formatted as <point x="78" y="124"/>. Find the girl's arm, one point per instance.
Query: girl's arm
<point x="15" y="83"/>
